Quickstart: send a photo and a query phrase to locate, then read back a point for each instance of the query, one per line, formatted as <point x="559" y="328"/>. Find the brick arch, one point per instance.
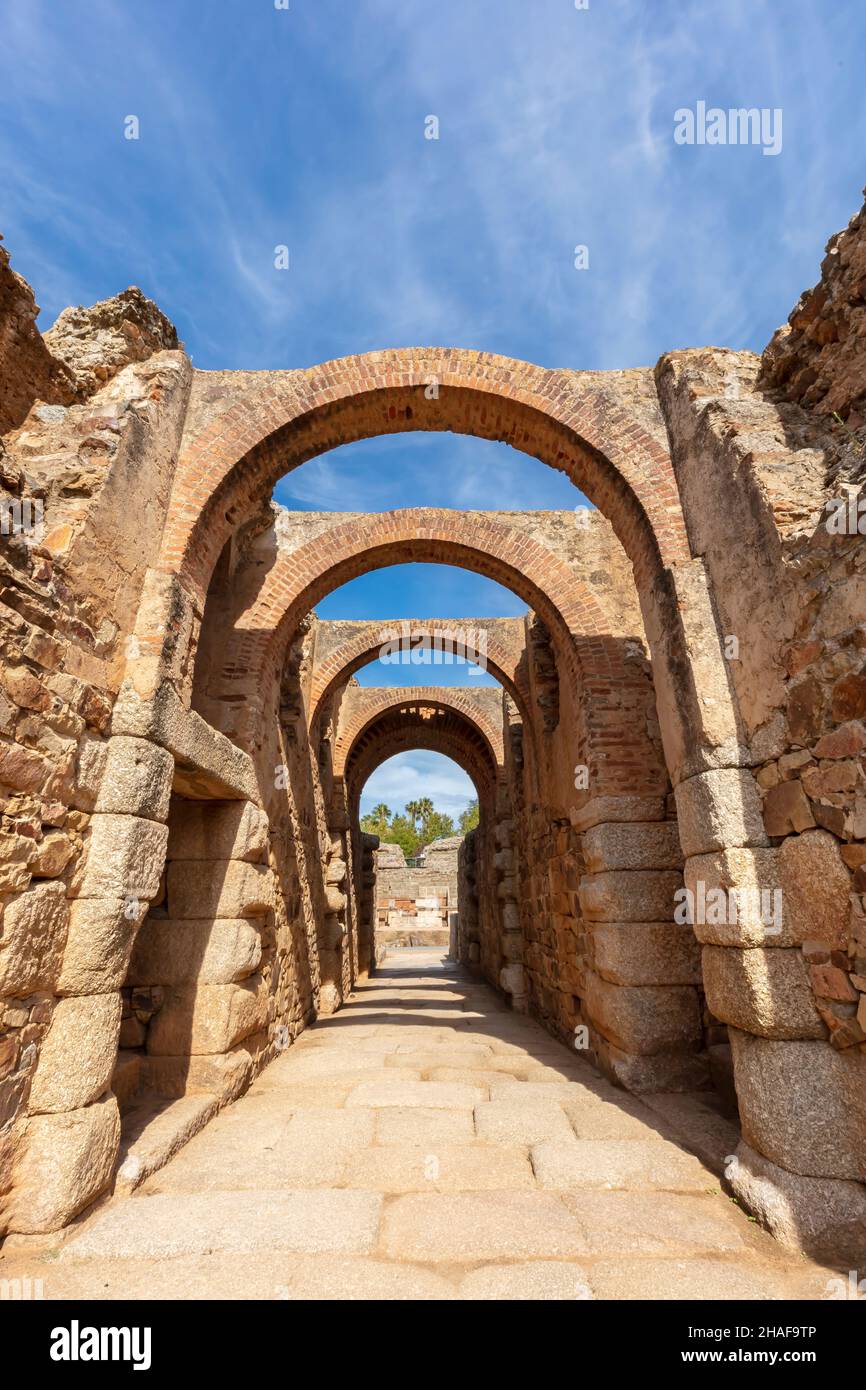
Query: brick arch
<point x="299" y="579"/>
<point x="417" y="706"/>
<point x="430" y="726"/>
<point x="342" y="663"/>
<point x="271" y="422"/>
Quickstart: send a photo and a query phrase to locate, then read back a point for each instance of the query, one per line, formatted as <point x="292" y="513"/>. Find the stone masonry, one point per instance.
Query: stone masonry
<point x="669" y="871"/>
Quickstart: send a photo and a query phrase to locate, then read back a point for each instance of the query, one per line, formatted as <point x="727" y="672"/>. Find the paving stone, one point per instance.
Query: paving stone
<point x="301" y="1148"/>
<point x="434" y="1095"/>
<point x="162" y="1226"/>
<point x="516" y="1122"/>
<point x="527" y="1281"/>
<point x="439" y="1168"/>
<point x="315" y="1278"/>
<point x="325" y="1095"/>
<point x="527" y="1092"/>
<point x="654" y="1223"/>
<point x="618" y="1163"/>
<point x="442" y="1056"/>
<point x="329" y="1062"/>
<point x="353" y="1170"/>
<point x="479" y="1226"/>
<point x="267" y="1276"/>
<point x="703" y="1280"/>
<point x="603" y="1120"/>
<point x="420" y="1125"/>
<point x="464" y="1076"/>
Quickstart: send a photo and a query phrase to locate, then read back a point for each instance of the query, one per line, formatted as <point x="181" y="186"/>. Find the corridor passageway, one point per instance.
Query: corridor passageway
<point x="424" y="1143"/>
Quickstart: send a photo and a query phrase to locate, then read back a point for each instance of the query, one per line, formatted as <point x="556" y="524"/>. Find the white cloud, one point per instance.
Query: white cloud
<point x="408" y="776"/>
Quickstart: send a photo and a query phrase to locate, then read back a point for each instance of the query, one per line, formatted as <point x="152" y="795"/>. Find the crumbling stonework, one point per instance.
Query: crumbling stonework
<point x="680" y="722"/>
<point x="414" y="902"/>
<point x="28" y="371"/>
<point x="818" y="359"/>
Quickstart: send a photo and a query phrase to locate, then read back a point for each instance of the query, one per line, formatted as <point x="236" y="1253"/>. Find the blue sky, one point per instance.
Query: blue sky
<point x="304" y="127"/>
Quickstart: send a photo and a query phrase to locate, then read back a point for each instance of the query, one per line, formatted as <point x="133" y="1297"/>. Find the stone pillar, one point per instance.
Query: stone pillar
<point x="641" y="986"/>
<point x="333" y="957"/>
<point x="204" y="950"/>
<point x="512" y="976"/>
<point x="366" y="906"/>
<point x="72" y="1131"/>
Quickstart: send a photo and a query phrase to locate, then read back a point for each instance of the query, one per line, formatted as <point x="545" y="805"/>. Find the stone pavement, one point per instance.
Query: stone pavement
<point x="424" y="1143"/>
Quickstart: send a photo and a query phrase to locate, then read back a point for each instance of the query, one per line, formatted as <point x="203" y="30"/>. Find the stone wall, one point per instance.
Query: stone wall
<point x="818" y="359"/>
<point x="83" y="833"/>
<point x="28" y="371"/>
<point x="413" y="904"/>
<point x="182" y="747"/>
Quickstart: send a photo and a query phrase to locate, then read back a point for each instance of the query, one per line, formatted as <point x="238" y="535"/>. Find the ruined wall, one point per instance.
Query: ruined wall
<point x="99" y="470"/>
<point x="770" y="484"/>
<point x="148" y="693"/>
<point x="438" y="870"/>
<point x="413" y="904"/>
<point x="28" y="371"/>
<point x="818" y="359"/>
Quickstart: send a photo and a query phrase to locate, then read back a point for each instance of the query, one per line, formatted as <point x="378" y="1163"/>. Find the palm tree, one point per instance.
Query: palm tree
<point x="381" y="814"/>
<point x="413" y="811"/>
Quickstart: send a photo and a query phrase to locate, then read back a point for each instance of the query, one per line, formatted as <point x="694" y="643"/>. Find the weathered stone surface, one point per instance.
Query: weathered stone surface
<point x="644" y="1019"/>
<point x="482" y="1225"/>
<point x="624" y="896"/>
<point x="461" y="1168"/>
<point x="636" y="845"/>
<point x="706" y="1280"/>
<point x="124" y="858"/>
<point x="646" y="953"/>
<point x="787" y="809"/>
<point x="220" y="767"/>
<point x="718" y="810"/>
<point x="210" y="1018"/>
<point x="66" y="1161"/>
<point x="767" y="992"/>
<point x="99" y="943"/>
<point x="527" y="1281"/>
<point x="605" y="809"/>
<point x="335" y="900"/>
<point x="136" y="779"/>
<point x="53" y="853"/>
<point x="223" y="1074"/>
<point x="28" y="370"/>
<point x="77" y="1055"/>
<point x="97" y="342"/>
<point x="803" y="1104"/>
<point x="647" y="1073"/>
<point x="307" y="1221"/>
<point x="653" y="1222"/>
<point x="431" y="1095"/>
<point x="816" y="885"/>
<point x="824" y="1217"/>
<point x="217" y="830"/>
<point x="522" y="1121"/>
<point x="816" y="358"/>
<point x="752" y="909"/>
<point x="32" y="936"/>
<point x="617" y="1163"/>
<point x="169" y="952"/>
<point x="198" y="889"/>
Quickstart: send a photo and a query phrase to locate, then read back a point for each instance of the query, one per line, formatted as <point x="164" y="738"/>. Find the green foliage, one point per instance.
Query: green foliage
<point x="402" y="832"/>
<point x="417" y="826"/>
<point x="469" y="818"/>
<point x="436" y="827"/>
